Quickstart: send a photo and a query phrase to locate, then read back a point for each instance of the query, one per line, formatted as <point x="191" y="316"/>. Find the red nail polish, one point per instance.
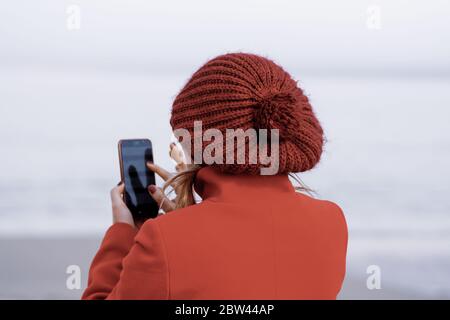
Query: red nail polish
<point x="152" y="188"/>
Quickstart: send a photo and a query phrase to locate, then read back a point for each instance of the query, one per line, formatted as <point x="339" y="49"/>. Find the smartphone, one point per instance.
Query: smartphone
<point x="133" y="156"/>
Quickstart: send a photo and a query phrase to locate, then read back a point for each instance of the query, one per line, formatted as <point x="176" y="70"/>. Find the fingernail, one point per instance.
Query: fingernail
<point x="152" y="188"/>
<point x="149" y="163"/>
<point x="120" y="182"/>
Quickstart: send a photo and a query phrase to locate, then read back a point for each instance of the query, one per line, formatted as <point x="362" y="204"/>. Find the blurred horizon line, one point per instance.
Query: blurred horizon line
<point x="141" y="69"/>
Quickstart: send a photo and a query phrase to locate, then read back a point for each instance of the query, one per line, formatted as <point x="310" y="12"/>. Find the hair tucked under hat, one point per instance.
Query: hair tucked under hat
<point x="242" y="91"/>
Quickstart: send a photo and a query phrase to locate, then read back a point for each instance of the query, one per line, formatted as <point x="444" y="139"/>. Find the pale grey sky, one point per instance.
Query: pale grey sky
<point x="178" y="36"/>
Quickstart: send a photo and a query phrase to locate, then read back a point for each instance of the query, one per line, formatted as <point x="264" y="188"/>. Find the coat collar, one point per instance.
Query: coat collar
<point x="211" y="184"/>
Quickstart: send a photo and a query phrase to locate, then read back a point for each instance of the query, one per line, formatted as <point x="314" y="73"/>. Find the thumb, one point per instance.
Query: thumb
<point x="116" y="194"/>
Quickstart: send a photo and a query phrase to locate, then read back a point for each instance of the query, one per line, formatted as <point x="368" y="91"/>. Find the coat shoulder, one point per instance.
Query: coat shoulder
<point x="184" y="219"/>
<point x="326" y="211"/>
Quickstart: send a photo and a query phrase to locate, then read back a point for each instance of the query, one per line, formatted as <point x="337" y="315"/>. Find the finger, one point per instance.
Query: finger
<point x="116" y="193"/>
<point x="171" y="146"/>
<point x="175" y="153"/>
<point x="163" y="202"/>
<point x="163" y="173"/>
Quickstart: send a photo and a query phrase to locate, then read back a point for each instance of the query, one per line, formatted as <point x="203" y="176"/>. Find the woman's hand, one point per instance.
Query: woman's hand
<point x="157" y="193"/>
<point x="165" y="203"/>
<point x="177" y="155"/>
<point x="120" y="211"/>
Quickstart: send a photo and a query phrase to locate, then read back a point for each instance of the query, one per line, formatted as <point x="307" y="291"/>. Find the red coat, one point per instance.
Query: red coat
<point x="252" y="237"/>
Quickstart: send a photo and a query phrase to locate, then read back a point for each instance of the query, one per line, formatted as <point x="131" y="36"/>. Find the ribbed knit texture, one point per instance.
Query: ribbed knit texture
<point x="242" y="91"/>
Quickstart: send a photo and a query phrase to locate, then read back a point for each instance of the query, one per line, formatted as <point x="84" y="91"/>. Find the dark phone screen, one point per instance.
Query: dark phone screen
<point x="135" y="154"/>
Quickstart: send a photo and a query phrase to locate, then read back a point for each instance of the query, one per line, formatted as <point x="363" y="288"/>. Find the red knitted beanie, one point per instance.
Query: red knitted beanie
<point x="242" y="91"/>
